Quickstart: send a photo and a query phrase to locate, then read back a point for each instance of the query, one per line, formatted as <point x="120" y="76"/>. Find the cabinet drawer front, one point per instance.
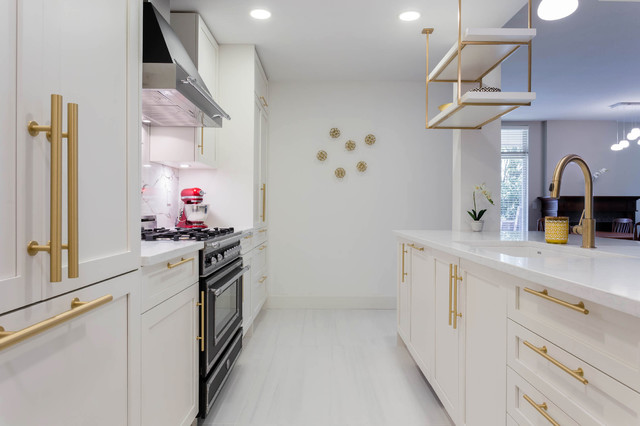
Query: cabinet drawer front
<point x="260" y="257"/>
<point x="160" y="282"/>
<point x="246" y="243"/>
<point x="77" y="372"/>
<point x="605" y="338"/>
<point x="523" y="412"/>
<point x="258" y="290"/>
<point x="602" y="400"/>
<point x="259" y="237"/>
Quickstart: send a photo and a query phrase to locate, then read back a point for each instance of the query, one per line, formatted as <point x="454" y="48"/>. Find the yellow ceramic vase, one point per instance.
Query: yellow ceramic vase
<point x="556" y="229"/>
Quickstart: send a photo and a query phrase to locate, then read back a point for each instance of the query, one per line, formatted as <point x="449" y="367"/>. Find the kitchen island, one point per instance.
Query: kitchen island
<point x="510" y="330"/>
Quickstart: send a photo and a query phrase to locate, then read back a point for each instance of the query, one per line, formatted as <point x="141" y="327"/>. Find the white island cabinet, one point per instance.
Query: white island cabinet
<point x="517" y="332"/>
<point x="58" y="47"/>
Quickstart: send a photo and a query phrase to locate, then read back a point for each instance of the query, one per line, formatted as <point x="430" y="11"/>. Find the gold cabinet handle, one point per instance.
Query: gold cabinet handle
<point x="55" y="135"/>
<point x="182" y="261"/>
<point x="201" y="336"/>
<point x="10" y="338"/>
<point x="262" y="247"/>
<point x="263" y="279"/>
<point x="264" y="101"/>
<point x="264" y="202"/>
<point x="201" y="146"/>
<point x="540" y="408"/>
<point x="577" y="374"/>
<point x="455" y="312"/>
<point x="404" y="274"/>
<point x="247" y="237"/>
<point x="450" y="292"/>
<point x="263" y="230"/>
<point x="545" y="295"/>
<point x="413" y="246"/>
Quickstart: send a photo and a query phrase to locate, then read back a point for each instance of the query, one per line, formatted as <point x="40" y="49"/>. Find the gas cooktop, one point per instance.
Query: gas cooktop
<point x="180" y="234"/>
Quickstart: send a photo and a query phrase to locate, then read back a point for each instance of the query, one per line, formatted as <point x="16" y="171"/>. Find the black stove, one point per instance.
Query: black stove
<point x="179" y="234"/>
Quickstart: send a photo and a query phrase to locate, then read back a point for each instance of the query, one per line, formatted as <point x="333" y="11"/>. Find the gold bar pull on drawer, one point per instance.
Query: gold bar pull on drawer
<point x="545" y="295"/>
<point x="577" y="374"/>
<point x="413" y="246"/>
<point x="10" y="338"/>
<point x="182" y="262"/>
<point x="540" y="408"/>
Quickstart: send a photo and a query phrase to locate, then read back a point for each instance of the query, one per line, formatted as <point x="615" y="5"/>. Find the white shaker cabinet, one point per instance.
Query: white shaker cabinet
<point x="81" y="371"/>
<point x="189" y="146"/>
<point x="92" y="63"/>
<point x="404" y="292"/>
<point x="170" y="360"/>
<point x="422" y="333"/>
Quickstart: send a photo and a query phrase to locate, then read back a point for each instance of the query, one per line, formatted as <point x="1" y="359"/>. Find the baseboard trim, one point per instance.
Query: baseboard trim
<point x="310" y="302"/>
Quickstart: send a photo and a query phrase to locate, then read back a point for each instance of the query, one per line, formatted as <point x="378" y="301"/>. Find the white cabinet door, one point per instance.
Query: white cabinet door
<point x="261" y="84"/>
<point x="485" y="346"/>
<point x="94" y="63"/>
<point x="170" y="360"/>
<point x="79" y="372"/>
<point x="404" y="292"/>
<point x="207" y="64"/>
<point x="422" y="312"/>
<point x="264" y="145"/>
<point x="449" y="341"/>
<point x="20" y="275"/>
<point x="247" y="311"/>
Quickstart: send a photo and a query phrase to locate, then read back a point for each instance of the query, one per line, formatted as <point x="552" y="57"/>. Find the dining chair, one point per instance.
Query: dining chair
<point x="622" y="225"/>
<point x="636" y="235"/>
<point x="541" y="224"/>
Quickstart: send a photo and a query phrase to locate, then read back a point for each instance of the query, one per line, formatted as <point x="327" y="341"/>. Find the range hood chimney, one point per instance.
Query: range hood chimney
<point x="173" y="93"/>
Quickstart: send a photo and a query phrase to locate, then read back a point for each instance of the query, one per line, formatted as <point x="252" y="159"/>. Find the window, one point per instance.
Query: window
<point x="514" y="212"/>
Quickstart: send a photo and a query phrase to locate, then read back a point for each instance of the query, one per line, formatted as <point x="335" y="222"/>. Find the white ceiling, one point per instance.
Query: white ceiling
<point x="345" y="39"/>
<point x="581" y="64"/>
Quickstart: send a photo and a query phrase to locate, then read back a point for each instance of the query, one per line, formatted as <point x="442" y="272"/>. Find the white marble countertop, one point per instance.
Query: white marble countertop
<point x="608" y="275"/>
<point x="153" y="252"/>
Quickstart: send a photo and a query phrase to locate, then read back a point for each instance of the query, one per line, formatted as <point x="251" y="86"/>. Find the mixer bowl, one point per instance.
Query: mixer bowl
<point x="196" y="212"/>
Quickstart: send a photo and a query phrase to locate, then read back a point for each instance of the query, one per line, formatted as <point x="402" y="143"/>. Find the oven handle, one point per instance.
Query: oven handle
<point x="221" y="290"/>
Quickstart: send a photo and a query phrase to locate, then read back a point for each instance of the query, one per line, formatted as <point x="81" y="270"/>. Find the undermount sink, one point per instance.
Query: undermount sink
<point x="526" y="249"/>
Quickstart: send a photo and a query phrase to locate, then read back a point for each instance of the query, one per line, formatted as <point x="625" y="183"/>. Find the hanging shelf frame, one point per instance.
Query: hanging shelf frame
<point x="484" y="50"/>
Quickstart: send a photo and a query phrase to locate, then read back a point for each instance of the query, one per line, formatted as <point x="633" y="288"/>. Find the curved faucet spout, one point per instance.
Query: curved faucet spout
<point x="588" y="226"/>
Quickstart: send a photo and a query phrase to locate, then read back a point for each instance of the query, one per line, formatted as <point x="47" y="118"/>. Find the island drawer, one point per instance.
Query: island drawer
<point x="607" y="339"/>
<point x="521" y="397"/>
<point x="582" y="391"/>
<point x="163" y="280"/>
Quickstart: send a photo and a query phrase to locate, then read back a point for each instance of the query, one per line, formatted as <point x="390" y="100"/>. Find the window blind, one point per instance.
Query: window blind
<point x="514" y="178"/>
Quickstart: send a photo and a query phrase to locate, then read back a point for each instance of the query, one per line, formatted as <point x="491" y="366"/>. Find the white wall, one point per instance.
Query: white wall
<point x="331" y="241"/>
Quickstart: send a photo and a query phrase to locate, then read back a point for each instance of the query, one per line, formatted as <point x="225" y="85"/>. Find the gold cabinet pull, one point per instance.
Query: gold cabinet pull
<point x="263" y="230"/>
<point x="10" y="338"/>
<point x="55" y="135"/>
<point x="263" y="279"/>
<point x="182" y="262"/>
<point x="264" y="202"/>
<point x="455" y="312"/>
<point x="264" y="101"/>
<point x="545" y="295"/>
<point x="201" y="145"/>
<point x="201" y="336"/>
<point x="413" y="246"/>
<point x="450" y="292"/>
<point x="577" y="374"/>
<point x="262" y="247"/>
<point x="247" y="237"/>
<point x="540" y="408"/>
<point x="404" y="274"/>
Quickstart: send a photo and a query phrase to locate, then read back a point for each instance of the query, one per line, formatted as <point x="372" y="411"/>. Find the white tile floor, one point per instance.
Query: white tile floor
<point x="326" y="367"/>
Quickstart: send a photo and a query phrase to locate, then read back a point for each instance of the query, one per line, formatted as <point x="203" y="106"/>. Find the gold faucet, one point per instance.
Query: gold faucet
<point x="587" y="226"/>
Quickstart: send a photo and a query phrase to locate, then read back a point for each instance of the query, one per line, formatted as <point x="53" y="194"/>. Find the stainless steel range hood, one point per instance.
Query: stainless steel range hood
<point x="173" y="93"/>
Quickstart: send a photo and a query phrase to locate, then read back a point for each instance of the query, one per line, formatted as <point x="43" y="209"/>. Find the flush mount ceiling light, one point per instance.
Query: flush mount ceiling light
<point x="551" y="10"/>
<point x="260" y="14"/>
<point x="184" y="166"/>
<point x="408" y="16"/>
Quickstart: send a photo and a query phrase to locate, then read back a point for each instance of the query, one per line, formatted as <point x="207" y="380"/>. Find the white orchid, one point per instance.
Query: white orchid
<point x="477" y="215"/>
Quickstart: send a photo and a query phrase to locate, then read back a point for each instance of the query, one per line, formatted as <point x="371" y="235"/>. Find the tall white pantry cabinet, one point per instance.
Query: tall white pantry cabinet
<point x="67" y="345"/>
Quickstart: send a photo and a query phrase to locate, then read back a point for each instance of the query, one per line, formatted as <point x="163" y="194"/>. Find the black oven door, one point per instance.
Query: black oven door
<point x="223" y="302"/>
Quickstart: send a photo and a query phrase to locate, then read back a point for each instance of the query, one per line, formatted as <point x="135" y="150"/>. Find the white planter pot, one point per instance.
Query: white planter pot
<point x="476" y="225"/>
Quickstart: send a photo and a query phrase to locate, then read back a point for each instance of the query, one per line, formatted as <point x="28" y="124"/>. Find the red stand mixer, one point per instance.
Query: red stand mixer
<point x="193" y="213"/>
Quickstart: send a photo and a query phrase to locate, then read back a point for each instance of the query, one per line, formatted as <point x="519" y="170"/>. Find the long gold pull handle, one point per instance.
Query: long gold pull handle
<point x="201" y="146"/>
<point x="264" y="201"/>
<point x="545" y="295"/>
<point x="182" y="262"/>
<point x="263" y="279"/>
<point x="72" y="190"/>
<point x="413" y="246"/>
<point x="201" y="336"/>
<point x="450" y="292"/>
<point x="54" y="133"/>
<point x="540" y="408"/>
<point x="577" y="374"/>
<point x="404" y="274"/>
<point x="455" y="312"/>
<point x="10" y="338"/>
<point x="264" y="101"/>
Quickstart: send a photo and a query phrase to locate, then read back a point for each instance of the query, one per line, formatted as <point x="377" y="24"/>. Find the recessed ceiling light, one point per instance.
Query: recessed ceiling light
<point x="184" y="166"/>
<point x="411" y="15"/>
<point x="146" y="165"/>
<point x="260" y="14"/>
<point x="145" y="121"/>
<point x="551" y="10"/>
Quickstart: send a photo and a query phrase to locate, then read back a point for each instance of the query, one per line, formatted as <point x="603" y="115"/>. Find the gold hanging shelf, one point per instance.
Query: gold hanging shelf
<point x="483" y="49"/>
